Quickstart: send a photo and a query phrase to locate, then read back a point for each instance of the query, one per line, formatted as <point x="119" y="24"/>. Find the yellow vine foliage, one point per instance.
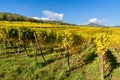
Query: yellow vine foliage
<point x="102" y="43"/>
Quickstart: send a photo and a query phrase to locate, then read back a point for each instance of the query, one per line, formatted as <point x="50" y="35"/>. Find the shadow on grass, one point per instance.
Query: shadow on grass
<point x="113" y="64"/>
<point x="87" y="59"/>
<point x="90" y="58"/>
<point x="52" y="60"/>
<point x="43" y="52"/>
<point x="9" y="54"/>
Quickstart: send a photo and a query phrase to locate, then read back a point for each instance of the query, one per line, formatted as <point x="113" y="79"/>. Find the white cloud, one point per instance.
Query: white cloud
<point x="96" y="20"/>
<point x="37" y="18"/>
<point x="49" y="15"/>
<point x="53" y="15"/>
<point x="43" y="18"/>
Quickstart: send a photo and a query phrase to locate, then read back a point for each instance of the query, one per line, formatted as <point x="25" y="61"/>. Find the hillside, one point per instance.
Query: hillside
<point x="4" y="16"/>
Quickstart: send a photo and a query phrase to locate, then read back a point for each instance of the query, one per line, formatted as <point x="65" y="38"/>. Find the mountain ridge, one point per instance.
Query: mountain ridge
<point x="95" y="25"/>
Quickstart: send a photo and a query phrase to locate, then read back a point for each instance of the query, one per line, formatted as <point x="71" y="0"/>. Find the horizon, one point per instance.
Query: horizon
<point x="81" y="12"/>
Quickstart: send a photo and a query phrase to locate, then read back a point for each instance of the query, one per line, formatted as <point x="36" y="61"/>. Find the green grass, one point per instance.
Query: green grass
<point x="25" y="68"/>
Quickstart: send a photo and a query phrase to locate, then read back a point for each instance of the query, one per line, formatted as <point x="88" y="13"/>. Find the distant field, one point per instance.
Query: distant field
<point x="38" y="51"/>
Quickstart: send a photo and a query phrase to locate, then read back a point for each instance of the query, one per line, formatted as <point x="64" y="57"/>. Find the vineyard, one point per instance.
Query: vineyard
<point x="38" y="51"/>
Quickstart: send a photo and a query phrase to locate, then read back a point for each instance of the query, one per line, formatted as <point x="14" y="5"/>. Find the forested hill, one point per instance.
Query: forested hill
<point x="5" y="16"/>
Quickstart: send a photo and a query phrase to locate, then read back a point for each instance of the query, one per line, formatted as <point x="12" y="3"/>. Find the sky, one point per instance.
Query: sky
<point x="105" y="12"/>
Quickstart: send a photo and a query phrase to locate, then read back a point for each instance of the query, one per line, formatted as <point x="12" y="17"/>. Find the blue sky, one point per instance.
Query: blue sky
<point x="73" y="11"/>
